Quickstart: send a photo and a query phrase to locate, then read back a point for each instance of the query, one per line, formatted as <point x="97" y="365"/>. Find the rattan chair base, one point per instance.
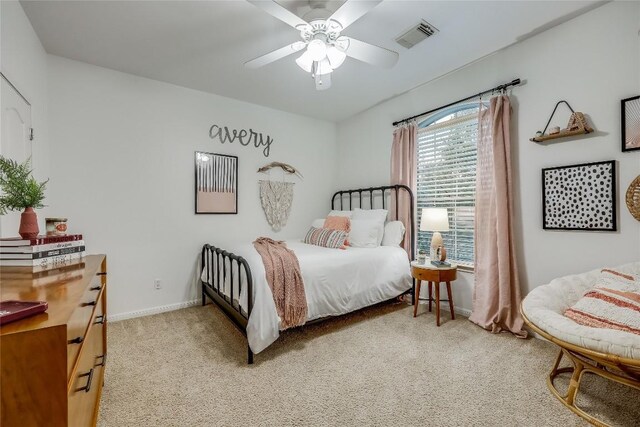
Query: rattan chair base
<point x="581" y="367"/>
<point x="585" y="361"/>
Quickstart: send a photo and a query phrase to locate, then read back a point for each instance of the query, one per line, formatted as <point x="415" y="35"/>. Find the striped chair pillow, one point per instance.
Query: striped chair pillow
<point x="326" y="238"/>
<point x="613" y="303"/>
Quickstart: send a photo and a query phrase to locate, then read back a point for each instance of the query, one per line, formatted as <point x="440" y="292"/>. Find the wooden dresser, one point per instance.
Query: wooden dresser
<point x="52" y="364"/>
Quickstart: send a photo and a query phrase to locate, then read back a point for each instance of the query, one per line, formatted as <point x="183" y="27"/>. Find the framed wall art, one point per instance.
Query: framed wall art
<point x="580" y="197"/>
<point x="216" y="183"/>
<point x="630" y="117"/>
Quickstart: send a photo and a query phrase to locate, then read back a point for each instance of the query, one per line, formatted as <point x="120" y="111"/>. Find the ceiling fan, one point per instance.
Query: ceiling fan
<point x="326" y="47"/>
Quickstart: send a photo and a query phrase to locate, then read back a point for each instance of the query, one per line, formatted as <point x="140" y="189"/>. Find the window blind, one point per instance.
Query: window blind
<point x="446" y="178"/>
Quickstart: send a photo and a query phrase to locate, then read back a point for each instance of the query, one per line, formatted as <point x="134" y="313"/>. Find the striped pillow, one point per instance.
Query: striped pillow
<point x="326" y="238"/>
<point x="614" y="303"/>
<point x="339" y="223"/>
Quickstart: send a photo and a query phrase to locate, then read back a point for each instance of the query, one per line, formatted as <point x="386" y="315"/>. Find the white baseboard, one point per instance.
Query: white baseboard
<point x="152" y="310"/>
<point x="462" y="311"/>
<point x="445" y="307"/>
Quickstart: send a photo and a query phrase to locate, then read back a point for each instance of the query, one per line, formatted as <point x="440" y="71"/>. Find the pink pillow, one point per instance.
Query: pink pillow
<point x="342" y="223"/>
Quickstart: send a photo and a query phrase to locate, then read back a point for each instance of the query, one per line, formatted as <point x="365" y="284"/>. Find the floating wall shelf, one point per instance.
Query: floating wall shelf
<point x="577" y="126"/>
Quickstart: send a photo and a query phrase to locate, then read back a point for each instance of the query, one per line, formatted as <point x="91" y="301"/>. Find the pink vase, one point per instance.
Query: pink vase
<point x="29" y="224"/>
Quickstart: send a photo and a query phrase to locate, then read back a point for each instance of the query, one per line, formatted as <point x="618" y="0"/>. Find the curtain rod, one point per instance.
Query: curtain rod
<point x="501" y="87"/>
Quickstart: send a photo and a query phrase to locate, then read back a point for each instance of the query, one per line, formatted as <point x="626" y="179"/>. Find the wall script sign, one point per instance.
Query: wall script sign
<point x="244" y="137"/>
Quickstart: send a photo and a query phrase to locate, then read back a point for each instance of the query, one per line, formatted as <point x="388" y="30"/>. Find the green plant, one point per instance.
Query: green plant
<point x="19" y="188"/>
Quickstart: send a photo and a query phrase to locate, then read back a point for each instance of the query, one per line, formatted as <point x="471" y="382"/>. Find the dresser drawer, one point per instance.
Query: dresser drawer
<point x="45" y="380"/>
<point x="85" y="387"/>
<point x="90" y="310"/>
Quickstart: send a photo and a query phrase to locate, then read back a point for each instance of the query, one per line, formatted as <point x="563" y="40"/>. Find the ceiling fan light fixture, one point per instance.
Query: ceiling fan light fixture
<point x="305" y="62"/>
<point x="322" y="68"/>
<point x="317" y="49"/>
<point x="335" y="56"/>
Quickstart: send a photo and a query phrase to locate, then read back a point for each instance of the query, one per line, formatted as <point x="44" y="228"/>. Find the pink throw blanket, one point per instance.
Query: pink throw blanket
<point x="285" y="280"/>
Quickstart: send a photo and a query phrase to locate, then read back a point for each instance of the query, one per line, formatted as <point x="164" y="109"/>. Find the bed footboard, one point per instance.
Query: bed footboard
<point x="221" y="279"/>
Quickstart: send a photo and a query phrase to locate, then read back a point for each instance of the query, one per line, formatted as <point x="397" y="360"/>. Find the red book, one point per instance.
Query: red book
<point x="12" y="310"/>
<point x="40" y="240"/>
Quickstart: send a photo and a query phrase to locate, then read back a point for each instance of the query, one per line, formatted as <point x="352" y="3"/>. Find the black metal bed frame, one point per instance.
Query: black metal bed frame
<point x="211" y="287"/>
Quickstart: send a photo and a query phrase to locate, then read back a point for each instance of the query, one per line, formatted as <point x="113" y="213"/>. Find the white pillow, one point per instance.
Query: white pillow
<point x="364" y="233"/>
<point x="341" y="213"/>
<point x="379" y="215"/>
<point x="393" y="233"/>
<point x="318" y="223"/>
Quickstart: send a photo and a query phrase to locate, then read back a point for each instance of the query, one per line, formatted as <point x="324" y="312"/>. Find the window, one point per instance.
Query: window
<point x="447" y="151"/>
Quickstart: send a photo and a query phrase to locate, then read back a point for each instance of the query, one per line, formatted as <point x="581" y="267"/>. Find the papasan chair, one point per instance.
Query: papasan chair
<point x="609" y="353"/>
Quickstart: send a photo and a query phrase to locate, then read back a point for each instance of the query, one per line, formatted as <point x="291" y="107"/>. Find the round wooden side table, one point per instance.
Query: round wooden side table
<point x="434" y="274"/>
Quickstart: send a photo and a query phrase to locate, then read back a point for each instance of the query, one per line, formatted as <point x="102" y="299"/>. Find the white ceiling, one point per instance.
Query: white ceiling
<point x="204" y="44"/>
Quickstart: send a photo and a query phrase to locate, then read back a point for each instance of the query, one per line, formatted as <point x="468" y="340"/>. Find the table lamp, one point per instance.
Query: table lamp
<point x="436" y="220"/>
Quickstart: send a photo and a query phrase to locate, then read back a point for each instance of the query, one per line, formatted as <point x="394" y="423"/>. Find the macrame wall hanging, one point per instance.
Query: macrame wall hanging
<point x="277" y="196"/>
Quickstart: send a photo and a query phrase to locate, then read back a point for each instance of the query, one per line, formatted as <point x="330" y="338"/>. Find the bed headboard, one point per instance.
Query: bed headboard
<point x="344" y="199"/>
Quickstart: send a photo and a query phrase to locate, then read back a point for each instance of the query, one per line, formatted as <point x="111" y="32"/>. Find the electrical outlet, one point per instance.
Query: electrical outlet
<point x="157" y="284"/>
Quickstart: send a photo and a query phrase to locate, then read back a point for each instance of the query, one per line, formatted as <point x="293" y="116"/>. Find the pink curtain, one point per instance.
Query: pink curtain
<point x="403" y="171"/>
<point x="496" y="296"/>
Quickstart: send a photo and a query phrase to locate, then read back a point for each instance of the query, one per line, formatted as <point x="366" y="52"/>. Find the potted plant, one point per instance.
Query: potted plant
<point x="20" y="191"/>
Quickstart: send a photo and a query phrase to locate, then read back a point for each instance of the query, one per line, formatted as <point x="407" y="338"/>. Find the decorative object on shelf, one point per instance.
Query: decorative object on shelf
<point x="277" y="196"/>
<point x="56" y="226"/>
<point x="422" y="257"/>
<point x="20" y="191"/>
<point x="436" y="220"/>
<point x="580" y="197"/>
<point x="216" y="183"/>
<point x="633" y="198"/>
<point x="442" y="254"/>
<point x="244" y="137"/>
<point x="577" y="126"/>
<point x="630" y="115"/>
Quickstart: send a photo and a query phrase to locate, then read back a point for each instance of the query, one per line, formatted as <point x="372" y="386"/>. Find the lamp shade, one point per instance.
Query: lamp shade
<point x="305" y="62"/>
<point x="434" y="219"/>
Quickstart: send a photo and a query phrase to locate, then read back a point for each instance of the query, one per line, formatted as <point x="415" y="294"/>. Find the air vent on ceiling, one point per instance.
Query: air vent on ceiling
<point x="416" y="34"/>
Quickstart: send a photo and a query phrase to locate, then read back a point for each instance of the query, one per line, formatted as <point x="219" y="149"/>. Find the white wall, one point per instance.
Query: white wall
<point x="24" y="62"/>
<point x="592" y="61"/>
<point x="123" y="168"/>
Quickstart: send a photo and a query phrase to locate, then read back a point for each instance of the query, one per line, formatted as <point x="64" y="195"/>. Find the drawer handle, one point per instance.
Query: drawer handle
<point x="77" y="340"/>
<point x="87" y="387"/>
<point x="103" y="359"/>
<point x="85" y="304"/>
<point x="95" y="288"/>
<point x="99" y="320"/>
<point x="102" y="273"/>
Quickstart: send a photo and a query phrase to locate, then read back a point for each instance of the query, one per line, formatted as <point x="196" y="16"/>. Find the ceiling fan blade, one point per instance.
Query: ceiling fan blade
<point x="277" y="11"/>
<point x="368" y="53"/>
<point x="275" y="55"/>
<point x="352" y="10"/>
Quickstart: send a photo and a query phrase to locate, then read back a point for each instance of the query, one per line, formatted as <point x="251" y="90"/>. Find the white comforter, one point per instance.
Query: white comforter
<point x="336" y="282"/>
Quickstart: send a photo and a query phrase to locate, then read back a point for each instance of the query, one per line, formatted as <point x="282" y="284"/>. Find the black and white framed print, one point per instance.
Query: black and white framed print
<point x="630" y="115"/>
<point x="580" y="197"/>
<point x="216" y="183"/>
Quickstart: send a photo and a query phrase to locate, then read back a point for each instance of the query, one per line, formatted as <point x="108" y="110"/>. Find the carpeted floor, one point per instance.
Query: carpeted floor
<point x="377" y="367"/>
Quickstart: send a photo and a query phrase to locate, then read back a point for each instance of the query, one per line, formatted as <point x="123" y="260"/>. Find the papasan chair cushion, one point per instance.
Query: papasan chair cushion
<point x="545" y="307"/>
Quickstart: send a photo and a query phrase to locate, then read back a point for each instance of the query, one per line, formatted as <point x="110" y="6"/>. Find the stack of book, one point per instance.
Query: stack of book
<point x="43" y="252"/>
